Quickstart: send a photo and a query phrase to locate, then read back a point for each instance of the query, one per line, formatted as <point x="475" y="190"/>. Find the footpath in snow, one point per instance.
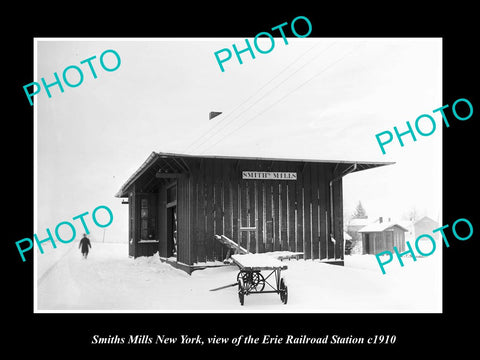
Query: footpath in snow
<point x="110" y="281"/>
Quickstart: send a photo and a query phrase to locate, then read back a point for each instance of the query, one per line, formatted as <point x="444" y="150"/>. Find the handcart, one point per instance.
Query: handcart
<point x="250" y="279"/>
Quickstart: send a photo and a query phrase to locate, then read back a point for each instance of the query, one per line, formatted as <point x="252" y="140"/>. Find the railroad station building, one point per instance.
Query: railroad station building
<point x="177" y="203"/>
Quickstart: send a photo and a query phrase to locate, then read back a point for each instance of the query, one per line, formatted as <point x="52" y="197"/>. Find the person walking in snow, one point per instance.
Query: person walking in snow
<point x="84" y="244"/>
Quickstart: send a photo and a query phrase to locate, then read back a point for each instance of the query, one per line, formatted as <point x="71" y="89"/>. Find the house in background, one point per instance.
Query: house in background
<point x="425" y="225"/>
<point x="382" y="236"/>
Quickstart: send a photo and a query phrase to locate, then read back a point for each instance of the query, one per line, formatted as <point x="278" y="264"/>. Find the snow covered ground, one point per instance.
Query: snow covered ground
<point x="110" y="281"/>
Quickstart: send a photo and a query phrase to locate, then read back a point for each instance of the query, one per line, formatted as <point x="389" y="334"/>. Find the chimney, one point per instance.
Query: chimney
<point x="213" y="114"/>
<point x="380" y="219"/>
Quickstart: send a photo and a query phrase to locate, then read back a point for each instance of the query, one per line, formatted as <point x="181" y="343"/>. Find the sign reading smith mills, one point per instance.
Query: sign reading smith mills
<point x="267" y="175"/>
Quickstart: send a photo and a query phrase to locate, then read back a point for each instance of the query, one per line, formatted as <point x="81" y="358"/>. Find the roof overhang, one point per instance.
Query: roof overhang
<point x="171" y="165"/>
<point x="156" y="166"/>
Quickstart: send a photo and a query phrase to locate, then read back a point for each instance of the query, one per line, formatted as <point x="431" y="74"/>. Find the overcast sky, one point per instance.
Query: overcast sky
<point x="315" y="98"/>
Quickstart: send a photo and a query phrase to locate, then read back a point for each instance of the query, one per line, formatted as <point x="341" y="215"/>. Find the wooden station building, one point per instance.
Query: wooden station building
<point x="178" y="203"/>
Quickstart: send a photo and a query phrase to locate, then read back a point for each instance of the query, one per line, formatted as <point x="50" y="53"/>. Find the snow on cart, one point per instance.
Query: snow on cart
<point x="250" y="279"/>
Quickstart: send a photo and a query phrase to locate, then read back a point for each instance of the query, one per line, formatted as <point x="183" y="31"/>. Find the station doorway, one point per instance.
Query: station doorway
<point x="172" y="235"/>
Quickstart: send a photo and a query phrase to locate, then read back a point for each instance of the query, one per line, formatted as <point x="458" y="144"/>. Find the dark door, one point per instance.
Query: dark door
<point x="172" y="245"/>
<point x="389" y="240"/>
<point x="131" y="226"/>
<point x="367" y="244"/>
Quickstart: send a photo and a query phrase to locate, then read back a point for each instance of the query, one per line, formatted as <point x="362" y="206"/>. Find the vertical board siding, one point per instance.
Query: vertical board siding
<point x="261" y="224"/>
<point x="299" y="210"/>
<point x="191" y="209"/>
<point x="193" y="218"/>
<point x="234" y="190"/>
<point x="227" y="203"/>
<point x="181" y="238"/>
<point x="253" y="217"/>
<point x="217" y="209"/>
<point x="323" y="196"/>
<point x="338" y="218"/>
<point x="291" y="216"/>
<point x="306" y="213"/>
<point x="274" y="214"/>
<point x="162" y="220"/>
<point x="131" y="225"/>
<point x="201" y="215"/>
<point x="283" y="215"/>
<point x="188" y="222"/>
<point x="330" y="244"/>
<point x="269" y="216"/>
<point x="250" y="215"/>
<point x="136" y="222"/>
<point x="209" y="210"/>
<point x="314" y="211"/>
<point x="242" y="210"/>
<point x="389" y="240"/>
<point x="183" y="226"/>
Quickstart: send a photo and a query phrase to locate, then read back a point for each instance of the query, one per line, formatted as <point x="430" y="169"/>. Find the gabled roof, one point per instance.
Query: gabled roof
<point x="168" y="163"/>
<point x="426" y="219"/>
<point x="171" y="162"/>
<point x="379" y="227"/>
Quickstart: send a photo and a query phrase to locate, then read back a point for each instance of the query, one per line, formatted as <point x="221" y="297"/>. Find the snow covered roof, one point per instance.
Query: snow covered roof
<point x="379" y="227"/>
<point x="361" y="164"/>
<point x="178" y="161"/>
<point x="426" y="219"/>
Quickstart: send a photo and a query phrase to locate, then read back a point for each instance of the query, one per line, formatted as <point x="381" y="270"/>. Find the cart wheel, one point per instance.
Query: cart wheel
<point x="252" y="280"/>
<point x="241" y="295"/>
<point x="283" y="291"/>
<point x="258" y="281"/>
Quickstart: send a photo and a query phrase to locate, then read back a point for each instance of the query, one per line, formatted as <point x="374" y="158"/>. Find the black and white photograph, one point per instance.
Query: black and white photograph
<point x="256" y="180"/>
<point x="266" y="176"/>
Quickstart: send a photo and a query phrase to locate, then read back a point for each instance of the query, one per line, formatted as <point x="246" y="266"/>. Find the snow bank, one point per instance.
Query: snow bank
<point x="110" y="281"/>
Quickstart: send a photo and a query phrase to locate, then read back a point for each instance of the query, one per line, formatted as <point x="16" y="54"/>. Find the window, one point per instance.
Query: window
<point x="148" y="222"/>
<point x="144" y="219"/>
